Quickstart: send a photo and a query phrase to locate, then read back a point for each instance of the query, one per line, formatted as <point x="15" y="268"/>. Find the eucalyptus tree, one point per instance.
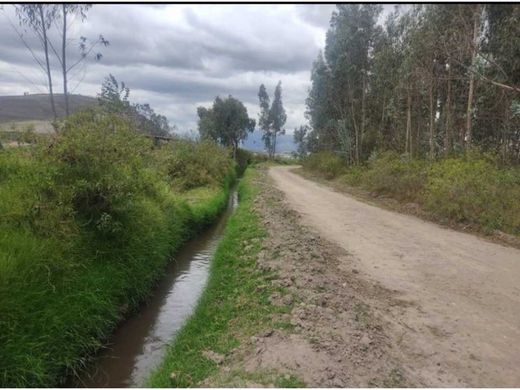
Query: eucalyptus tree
<point x="42" y="20"/>
<point x="70" y="12"/>
<point x="349" y="43"/>
<point x="271" y="118"/>
<point x="264" y="118"/>
<point x="277" y="116"/>
<point x="39" y="18"/>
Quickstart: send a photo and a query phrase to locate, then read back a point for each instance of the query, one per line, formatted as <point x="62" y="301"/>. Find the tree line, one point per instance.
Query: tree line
<point x="228" y="123"/>
<point x="431" y="81"/>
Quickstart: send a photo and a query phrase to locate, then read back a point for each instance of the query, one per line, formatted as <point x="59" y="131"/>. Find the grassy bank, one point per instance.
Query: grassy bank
<point x="87" y="224"/>
<point x="473" y="188"/>
<point x="234" y="306"/>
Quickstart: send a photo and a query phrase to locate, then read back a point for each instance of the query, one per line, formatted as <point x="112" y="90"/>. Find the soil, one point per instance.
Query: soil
<point x="387" y="299"/>
<point x="336" y="331"/>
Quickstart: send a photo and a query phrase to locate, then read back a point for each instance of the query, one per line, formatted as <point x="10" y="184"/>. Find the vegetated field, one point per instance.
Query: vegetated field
<point x="474" y="189"/>
<point x="86" y="227"/>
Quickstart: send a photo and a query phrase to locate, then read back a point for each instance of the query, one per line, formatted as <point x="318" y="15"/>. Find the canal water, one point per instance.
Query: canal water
<point x="139" y="343"/>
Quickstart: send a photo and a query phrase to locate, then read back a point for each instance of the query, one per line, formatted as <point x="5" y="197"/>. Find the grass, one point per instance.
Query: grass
<point x="55" y="314"/>
<point x="87" y="225"/>
<point x="234" y="306"/>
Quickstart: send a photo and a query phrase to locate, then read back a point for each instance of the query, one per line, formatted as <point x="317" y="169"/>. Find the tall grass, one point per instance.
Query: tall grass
<point x="87" y="224"/>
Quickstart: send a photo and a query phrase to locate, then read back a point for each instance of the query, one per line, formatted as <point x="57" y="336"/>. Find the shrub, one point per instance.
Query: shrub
<point x="101" y="166"/>
<point x="190" y="164"/>
<point x="474" y="189"/>
<point x="327" y="163"/>
<point x="396" y="176"/>
<point x="243" y="159"/>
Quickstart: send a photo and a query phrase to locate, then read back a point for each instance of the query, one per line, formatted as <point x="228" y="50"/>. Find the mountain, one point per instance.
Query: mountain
<point x="38" y="106"/>
<point x="254" y="142"/>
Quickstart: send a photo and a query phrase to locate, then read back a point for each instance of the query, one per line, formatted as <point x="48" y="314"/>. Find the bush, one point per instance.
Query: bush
<point x="397" y="176"/>
<point x="102" y="165"/>
<point x="243" y="159"/>
<point x="326" y="163"/>
<point x="190" y="164"/>
<point x="474" y="189"/>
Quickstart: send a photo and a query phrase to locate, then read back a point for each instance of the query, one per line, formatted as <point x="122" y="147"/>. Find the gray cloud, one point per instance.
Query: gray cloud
<point x="177" y="57"/>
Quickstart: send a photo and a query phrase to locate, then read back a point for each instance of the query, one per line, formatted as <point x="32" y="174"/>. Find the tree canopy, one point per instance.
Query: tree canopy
<point x="431" y="81"/>
<point x="226" y="122"/>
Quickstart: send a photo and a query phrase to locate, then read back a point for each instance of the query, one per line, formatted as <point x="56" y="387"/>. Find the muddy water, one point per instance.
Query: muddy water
<point x="139" y="343"/>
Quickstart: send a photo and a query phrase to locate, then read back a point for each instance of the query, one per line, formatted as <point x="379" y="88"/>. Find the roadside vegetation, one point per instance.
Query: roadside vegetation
<point x="474" y="188"/>
<point x="88" y="220"/>
<point x="234" y="306"/>
<point x="423" y="108"/>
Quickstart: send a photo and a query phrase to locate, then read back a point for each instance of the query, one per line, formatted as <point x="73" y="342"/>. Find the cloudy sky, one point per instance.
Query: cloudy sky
<point x="177" y="57"/>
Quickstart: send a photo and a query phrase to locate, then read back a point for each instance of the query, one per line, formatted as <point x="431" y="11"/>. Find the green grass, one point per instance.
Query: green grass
<point x="234" y="306"/>
<point x="61" y="300"/>
<point x="86" y="229"/>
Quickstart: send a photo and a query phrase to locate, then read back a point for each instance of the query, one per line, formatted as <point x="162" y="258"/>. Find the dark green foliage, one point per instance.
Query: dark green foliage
<point x="243" y="159"/>
<point x="226" y="122"/>
<point x="434" y="80"/>
<point x="87" y="224"/>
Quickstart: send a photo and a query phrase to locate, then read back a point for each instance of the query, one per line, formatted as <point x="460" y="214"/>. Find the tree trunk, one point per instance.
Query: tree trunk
<point x="382" y="123"/>
<point x="363" y="115"/>
<point x="64" y="60"/>
<point x="447" y="133"/>
<point x="408" y="145"/>
<point x="274" y="143"/>
<point x="356" y="132"/>
<point x="432" y="116"/>
<point x="46" y="50"/>
<point x="476" y="26"/>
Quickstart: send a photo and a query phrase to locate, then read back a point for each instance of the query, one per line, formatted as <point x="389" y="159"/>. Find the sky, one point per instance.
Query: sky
<point x="179" y="57"/>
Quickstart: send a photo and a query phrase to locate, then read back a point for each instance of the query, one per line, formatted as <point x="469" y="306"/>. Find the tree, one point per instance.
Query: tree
<point x="264" y="120"/>
<point x="271" y="119"/>
<point x="301" y="139"/>
<point x="433" y="80"/>
<point x="226" y="122"/>
<point x="39" y="18"/>
<point x="349" y="44"/>
<point x="277" y="116"/>
<point x="74" y="11"/>
<point x="114" y="99"/>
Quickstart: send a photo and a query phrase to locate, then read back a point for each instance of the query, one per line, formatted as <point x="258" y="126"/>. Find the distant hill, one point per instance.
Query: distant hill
<point x="254" y="143"/>
<point x="38" y="106"/>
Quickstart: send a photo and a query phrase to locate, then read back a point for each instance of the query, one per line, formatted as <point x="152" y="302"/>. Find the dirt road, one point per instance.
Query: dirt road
<point x="459" y="324"/>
